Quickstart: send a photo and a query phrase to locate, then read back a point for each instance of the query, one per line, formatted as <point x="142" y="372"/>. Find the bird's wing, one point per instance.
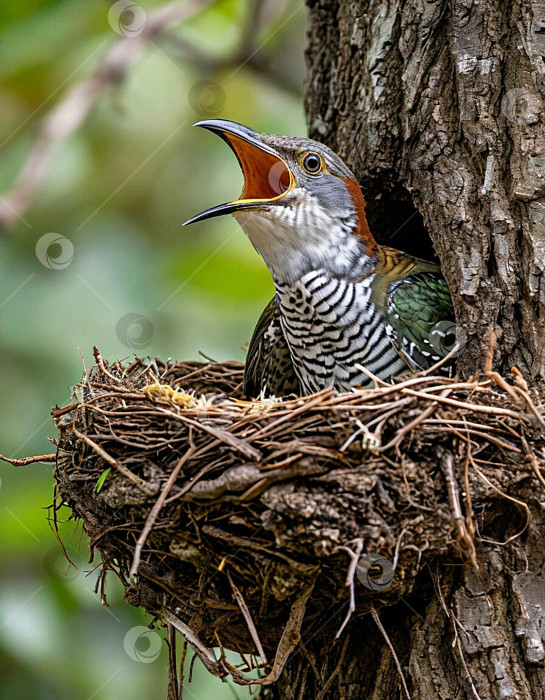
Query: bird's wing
<point x="269" y="368"/>
<point x="420" y="312"/>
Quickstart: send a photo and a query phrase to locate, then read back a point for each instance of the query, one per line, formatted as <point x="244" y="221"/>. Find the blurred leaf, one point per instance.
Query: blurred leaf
<point x="119" y="190"/>
<point x="226" y="275"/>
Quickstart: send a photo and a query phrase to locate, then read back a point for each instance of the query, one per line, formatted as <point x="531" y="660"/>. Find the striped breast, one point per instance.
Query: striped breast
<point x="331" y="325"/>
<point x="269" y="368"/>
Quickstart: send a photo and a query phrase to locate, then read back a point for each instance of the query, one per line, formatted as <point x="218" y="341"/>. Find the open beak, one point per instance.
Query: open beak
<point x="267" y="177"/>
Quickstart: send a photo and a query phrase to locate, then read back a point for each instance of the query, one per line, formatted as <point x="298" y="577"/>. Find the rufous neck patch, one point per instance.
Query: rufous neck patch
<point x="362" y="227"/>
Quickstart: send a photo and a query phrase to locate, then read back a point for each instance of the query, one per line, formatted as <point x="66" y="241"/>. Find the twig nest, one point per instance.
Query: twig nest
<point x="248" y="524"/>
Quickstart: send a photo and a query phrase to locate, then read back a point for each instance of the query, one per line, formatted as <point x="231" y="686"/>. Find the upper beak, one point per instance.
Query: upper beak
<point x="267" y="177"/>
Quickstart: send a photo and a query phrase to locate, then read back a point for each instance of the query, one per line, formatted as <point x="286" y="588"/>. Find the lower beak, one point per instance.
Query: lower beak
<point x="267" y="178"/>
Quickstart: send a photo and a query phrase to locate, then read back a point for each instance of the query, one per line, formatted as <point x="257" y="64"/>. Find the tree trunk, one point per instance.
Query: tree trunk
<point x="473" y="634"/>
<point x="438" y="107"/>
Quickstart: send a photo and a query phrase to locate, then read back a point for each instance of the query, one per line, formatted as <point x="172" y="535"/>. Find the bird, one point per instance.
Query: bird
<point x="346" y="310"/>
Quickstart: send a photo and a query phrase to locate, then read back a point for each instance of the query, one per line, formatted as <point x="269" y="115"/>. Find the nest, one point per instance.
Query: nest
<point x="248" y="525"/>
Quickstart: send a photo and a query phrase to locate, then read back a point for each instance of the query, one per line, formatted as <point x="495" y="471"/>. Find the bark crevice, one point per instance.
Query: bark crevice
<point x="446" y="101"/>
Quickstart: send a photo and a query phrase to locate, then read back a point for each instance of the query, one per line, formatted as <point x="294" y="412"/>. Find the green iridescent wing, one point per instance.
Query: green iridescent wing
<point x="421" y="315"/>
<point x="269" y="368"/>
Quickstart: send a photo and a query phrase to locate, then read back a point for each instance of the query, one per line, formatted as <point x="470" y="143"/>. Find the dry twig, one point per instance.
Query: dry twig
<point x="229" y="511"/>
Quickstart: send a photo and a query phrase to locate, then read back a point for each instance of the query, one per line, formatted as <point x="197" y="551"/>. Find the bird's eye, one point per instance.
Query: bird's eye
<point x="312" y="163"/>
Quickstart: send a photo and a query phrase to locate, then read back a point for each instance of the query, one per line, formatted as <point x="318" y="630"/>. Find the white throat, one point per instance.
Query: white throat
<point x="294" y="240"/>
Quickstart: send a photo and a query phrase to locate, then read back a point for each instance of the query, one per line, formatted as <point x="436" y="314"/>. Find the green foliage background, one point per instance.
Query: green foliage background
<point x="119" y="189"/>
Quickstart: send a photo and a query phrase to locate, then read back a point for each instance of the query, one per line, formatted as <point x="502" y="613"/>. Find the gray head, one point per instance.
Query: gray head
<point x="301" y="206"/>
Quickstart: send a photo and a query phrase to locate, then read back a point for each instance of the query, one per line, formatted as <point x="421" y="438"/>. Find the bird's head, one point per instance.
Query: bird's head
<point x="301" y="207"/>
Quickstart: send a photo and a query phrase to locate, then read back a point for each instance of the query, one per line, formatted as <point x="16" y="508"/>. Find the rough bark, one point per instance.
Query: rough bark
<point x="438" y="107"/>
<point x="473" y="634"/>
